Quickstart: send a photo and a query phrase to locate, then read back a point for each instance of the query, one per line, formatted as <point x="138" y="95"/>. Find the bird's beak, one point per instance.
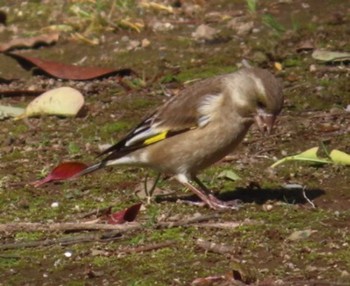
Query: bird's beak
<point x="265" y="122"/>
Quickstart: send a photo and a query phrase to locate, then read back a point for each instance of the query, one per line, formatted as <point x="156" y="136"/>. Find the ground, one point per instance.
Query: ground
<point x="276" y="237"/>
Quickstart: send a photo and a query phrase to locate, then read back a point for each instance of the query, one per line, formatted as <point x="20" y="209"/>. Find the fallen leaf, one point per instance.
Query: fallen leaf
<point x="308" y="155"/>
<point x="335" y="157"/>
<point x="204" y="32"/>
<point x="65" y="71"/>
<point x="127" y="215"/>
<point x="156" y="6"/>
<point x="45" y="39"/>
<point x="228" y="174"/>
<point x="61" y="172"/>
<point x="340" y="157"/>
<point x="63" y="101"/>
<point x="10" y="111"/>
<point x="300" y="234"/>
<point x="330" y="56"/>
<point x="126" y="23"/>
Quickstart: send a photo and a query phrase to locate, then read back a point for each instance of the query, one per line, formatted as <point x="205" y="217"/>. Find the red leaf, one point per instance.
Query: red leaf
<point x="62" y="172"/>
<point x="65" y="71"/>
<point x="128" y="214"/>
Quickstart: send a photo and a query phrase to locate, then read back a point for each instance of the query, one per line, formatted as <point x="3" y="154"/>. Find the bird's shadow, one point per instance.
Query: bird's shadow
<point x="259" y="195"/>
<point x="262" y="195"/>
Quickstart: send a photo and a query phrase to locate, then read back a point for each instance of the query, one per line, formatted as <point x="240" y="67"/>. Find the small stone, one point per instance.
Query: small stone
<point x="55" y="205"/>
<point x="68" y="254"/>
<point x="145" y="43"/>
<point x="344" y="274"/>
<point x="312" y="68"/>
<point x="204" y="32"/>
<point x="267" y="207"/>
<point x="125" y="39"/>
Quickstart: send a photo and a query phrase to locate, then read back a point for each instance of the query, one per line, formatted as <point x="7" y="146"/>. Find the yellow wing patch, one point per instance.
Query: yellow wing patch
<point x="156" y="138"/>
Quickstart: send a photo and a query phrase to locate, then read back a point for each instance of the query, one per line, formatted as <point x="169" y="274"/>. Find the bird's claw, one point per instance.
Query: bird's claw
<point x="214" y="203"/>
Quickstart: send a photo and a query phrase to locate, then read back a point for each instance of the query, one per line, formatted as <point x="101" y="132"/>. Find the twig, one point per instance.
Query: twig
<point x="112" y="232"/>
<point x="220" y="225"/>
<point x="189" y="221"/>
<point x="306" y="198"/>
<point x="149" y="247"/>
<point x="68" y="226"/>
<point x="214" y="247"/>
<point x="61" y="241"/>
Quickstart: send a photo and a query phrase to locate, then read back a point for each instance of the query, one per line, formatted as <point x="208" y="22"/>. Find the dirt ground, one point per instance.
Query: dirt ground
<point x="278" y="236"/>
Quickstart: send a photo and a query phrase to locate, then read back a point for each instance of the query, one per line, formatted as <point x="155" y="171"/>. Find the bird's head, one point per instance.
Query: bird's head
<point x="259" y="96"/>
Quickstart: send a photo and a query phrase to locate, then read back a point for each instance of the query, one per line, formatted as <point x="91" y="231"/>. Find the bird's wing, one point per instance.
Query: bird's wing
<point x="191" y="109"/>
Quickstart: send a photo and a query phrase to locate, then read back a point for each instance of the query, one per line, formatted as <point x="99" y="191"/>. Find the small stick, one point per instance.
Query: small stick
<point x="66" y="226"/>
<point x="149" y="247"/>
<point x="306" y="198"/>
<point x="214" y="247"/>
<point x="188" y="221"/>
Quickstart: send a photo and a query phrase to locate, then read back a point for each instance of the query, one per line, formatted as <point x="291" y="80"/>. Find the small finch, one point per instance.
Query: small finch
<point x="198" y="127"/>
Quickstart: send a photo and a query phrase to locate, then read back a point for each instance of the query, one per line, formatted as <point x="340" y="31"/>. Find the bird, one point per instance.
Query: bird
<point x="198" y="127"/>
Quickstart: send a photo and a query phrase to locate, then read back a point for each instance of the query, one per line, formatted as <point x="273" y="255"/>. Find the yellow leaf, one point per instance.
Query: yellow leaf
<point x="308" y="155"/>
<point x="340" y="157"/>
<point x="63" y="101"/>
<point x="278" y="66"/>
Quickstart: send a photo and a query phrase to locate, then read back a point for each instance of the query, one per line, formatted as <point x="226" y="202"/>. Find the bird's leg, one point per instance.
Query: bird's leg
<point x="149" y="193"/>
<point x="217" y="203"/>
<point x="182" y="179"/>
<point x="202" y="186"/>
<point x="208" y="198"/>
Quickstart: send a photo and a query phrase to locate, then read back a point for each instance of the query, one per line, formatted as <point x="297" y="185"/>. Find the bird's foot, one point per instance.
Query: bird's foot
<point x="214" y="203"/>
<point x="217" y="204"/>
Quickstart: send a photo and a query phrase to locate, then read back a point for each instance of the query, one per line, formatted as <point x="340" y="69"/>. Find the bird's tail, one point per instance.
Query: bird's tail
<point x="90" y="169"/>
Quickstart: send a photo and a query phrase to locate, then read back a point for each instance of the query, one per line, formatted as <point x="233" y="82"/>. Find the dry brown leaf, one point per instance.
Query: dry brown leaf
<point x="44" y="39"/>
<point x="65" y="71"/>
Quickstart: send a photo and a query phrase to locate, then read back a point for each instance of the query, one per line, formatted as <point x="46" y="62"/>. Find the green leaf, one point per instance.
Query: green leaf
<point x="228" y="174"/>
<point x="308" y="155"/>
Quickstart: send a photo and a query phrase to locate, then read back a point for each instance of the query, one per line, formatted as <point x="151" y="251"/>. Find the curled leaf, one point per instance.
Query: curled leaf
<point x="335" y="157"/>
<point x="44" y="39"/>
<point x="308" y="155"/>
<point x="300" y="234"/>
<point x="61" y="172"/>
<point x="330" y="56"/>
<point x="340" y="157"/>
<point x="126" y="215"/>
<point x="63" y="101"/>
<point x="66" y="71"/>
